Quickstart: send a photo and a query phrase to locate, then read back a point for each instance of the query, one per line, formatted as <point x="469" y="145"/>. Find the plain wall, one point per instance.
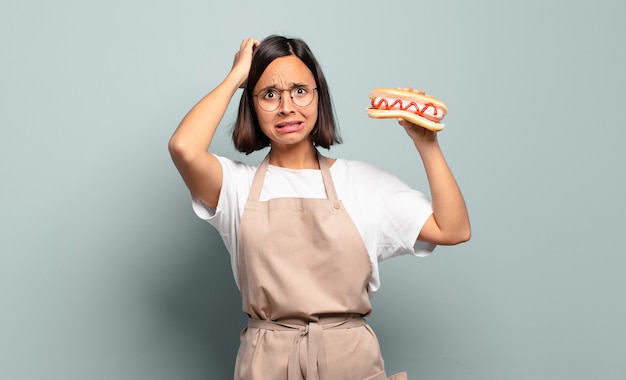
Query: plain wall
<point x="105" y="272"/>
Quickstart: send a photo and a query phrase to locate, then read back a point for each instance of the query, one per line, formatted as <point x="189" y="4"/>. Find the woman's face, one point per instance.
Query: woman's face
<point x="289" y="123"/>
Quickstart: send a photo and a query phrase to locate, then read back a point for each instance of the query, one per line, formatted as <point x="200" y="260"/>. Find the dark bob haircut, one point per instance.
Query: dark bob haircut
<point x="247" y="134"/>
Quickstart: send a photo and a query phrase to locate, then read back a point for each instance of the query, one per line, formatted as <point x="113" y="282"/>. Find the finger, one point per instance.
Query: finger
<point x="403" y="122"/>
<point x="248" y="43"/>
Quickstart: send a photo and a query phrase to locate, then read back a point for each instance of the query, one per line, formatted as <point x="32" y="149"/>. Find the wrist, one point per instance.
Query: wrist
<point x="238" y="77"/>
<point x="427" y="147"/>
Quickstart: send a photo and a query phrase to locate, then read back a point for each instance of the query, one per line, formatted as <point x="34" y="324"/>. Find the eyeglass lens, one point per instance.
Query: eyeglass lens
<point x="270" y="99"/>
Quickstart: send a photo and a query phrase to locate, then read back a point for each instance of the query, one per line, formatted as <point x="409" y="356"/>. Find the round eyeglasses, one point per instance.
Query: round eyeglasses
<point x="269" y="99"/>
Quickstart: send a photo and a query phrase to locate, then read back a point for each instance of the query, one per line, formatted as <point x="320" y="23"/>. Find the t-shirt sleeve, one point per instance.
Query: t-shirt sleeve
<point x="235" y="187"/>
<point x="209" y="213"/>
<point x="403" y="214"/>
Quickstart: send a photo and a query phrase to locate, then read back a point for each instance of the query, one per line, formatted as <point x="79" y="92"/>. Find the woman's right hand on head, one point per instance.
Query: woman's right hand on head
<point x="243" y="59"/>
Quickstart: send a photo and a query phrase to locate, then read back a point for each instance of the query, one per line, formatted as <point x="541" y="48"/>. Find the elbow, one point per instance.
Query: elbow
<point x="465" y="236"/>
<point x="461" y="236"/>
<point x="179" y="150"/>
<point x="449" y="233"/>
<point x="174" y="146"/>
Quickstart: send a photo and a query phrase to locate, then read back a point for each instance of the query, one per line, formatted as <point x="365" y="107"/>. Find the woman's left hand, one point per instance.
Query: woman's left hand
<point x="418" y="134"/>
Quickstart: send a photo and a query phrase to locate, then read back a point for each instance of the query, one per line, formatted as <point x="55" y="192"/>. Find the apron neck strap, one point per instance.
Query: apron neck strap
<point x="328" y="179"/>
<point x="257" y="181"/>
<point x="259" y="176"/>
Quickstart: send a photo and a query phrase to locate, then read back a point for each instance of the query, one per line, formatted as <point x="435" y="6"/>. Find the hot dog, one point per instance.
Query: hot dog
<point x="423" y="110"/>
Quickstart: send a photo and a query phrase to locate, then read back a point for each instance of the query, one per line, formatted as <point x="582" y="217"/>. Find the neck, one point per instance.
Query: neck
<point x="294" y="157"/>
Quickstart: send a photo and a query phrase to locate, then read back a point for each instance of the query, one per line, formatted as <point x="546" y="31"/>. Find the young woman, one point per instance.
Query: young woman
<point x="306" y="232"/>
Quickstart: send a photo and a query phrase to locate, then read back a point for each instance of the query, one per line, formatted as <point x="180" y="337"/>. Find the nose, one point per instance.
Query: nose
<point x="286" y="102"/>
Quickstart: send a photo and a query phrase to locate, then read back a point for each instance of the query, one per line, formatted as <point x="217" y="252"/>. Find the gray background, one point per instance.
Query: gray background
<point x="105" y="273"/>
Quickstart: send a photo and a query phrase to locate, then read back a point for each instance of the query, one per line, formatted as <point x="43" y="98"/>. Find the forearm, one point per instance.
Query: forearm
<point x="195" y="132"/>
<point x="449" y="209"/>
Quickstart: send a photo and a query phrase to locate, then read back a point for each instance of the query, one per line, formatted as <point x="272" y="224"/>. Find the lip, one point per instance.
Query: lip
<point x="290" y="126"/>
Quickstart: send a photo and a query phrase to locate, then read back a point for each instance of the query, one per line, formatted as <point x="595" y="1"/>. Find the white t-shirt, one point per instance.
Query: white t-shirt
<point x="387" y="213"/>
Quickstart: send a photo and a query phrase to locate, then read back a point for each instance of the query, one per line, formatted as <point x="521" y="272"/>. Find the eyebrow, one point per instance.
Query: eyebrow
<point x="293" y="84"/>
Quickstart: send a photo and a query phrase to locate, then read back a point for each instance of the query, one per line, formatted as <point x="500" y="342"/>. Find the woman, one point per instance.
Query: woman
<point x="305" y="232"/>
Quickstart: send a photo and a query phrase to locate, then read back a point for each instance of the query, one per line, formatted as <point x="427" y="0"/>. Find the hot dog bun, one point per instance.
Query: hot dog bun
<point x="420" y="109"/>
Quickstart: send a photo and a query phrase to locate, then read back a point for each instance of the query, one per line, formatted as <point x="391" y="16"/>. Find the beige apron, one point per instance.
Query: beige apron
<point x="303" y="274"/>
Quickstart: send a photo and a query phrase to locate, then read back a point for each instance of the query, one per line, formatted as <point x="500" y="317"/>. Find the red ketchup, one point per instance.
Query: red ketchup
<point x="383" y="103"/>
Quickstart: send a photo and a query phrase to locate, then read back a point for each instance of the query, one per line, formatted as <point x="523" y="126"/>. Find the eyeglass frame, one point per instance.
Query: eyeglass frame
<point x="280" y="96"/>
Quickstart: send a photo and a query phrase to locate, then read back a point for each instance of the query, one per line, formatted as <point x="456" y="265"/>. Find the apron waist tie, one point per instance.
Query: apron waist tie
<point x="313" y="366"/>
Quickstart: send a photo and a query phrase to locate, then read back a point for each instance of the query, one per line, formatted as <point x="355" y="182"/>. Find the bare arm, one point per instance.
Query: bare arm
<point x="449" y="223"/>
<point x="189" y="145"/>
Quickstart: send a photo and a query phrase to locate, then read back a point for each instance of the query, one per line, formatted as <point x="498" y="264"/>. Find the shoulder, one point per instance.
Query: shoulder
<point x="356" y="169"/>
<point x="363" y="181"/>
<point x="355" y="166"/>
